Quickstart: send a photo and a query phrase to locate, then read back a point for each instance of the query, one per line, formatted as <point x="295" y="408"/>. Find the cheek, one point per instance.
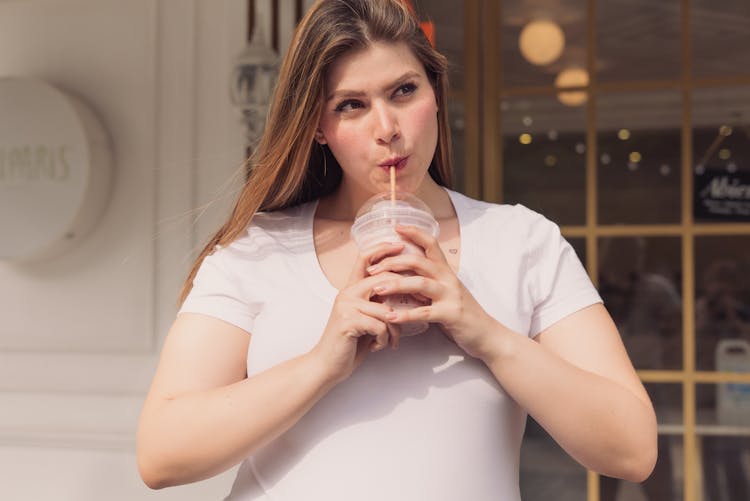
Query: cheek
<point x="345" y="143"/>
<point x="339" y="135"/>
<point x="424" y="119"/>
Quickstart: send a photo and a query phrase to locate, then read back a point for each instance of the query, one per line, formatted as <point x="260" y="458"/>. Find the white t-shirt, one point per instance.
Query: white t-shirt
<point x="424" y="422"/>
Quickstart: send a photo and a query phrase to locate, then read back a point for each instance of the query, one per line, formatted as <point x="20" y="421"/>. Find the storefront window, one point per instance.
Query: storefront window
<point x="638" y="157"/>
<point x="638" y="41"/>
<point x="541" y="40"/>
<point x="640" y="283"/>
<point x="720" y="32"/>
<point x="665" y="483"/>
<point x="547" y="471"/>
<point x="721" y="153"/>
<point x="723" y="440"/>
<point x="544" y="157"/>
<point x="722" y="303"/>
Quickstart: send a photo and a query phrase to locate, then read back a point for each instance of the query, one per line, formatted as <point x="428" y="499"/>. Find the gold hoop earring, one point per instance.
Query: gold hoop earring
<point x="325" y="163"/>
<point x="325" y="166"/>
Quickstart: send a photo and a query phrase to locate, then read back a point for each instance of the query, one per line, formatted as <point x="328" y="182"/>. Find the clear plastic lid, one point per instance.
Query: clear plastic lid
<point x="383" y="211"/>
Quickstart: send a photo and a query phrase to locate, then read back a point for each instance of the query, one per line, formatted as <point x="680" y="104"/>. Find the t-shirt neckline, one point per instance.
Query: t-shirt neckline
<point x="317" y="278"/>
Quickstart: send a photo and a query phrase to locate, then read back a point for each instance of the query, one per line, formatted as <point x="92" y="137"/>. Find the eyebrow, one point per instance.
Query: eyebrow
<point x="358" y="93"/>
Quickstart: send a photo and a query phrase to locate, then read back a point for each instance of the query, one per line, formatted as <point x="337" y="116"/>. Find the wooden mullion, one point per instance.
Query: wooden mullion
<point x="691" y="491"/>
<point x="592" y="208"/>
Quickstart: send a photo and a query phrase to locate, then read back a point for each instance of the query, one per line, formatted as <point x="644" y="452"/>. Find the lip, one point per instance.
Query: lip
<point x="398" y="162"/>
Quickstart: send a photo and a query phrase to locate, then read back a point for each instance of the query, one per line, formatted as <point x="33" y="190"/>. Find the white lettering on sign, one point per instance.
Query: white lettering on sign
<point x="723" y="187"/>
<point x="55" y="170"/>
<point x="29" y="163"/>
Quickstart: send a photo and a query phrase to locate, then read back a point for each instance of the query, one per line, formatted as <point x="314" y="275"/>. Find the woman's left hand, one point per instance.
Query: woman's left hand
<point x="453" y="306"/>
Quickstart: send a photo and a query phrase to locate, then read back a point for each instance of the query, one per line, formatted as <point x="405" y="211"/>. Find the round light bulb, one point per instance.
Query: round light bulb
<point x="541" y="42"/>
<point x="572" y="77"/>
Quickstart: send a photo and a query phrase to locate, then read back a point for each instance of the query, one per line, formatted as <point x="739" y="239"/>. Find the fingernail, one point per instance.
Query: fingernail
<point x="378" y="289"/>
<point x="371" y="269"/>
<point x="391" y="316"/>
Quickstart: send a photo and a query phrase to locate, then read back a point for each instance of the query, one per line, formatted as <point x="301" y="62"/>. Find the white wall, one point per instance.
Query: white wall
<point x="80" y="333"/>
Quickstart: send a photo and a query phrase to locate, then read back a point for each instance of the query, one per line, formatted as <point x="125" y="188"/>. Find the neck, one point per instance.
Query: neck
<point x="344" y="203"/>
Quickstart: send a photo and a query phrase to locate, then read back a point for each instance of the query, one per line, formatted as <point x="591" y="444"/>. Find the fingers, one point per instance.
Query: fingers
<point x="377" y="329"/>
<point x="380" y="313"/>
<point x="419" y="314"/>
<point x="366" y="287"/>
<point x="365" y="259"/>
<point x="406" y="262"/>
<point x="424" y="240"/>
<point x="415" y="285"/>
<point x="375" y="310"/>
<point x="395" y="333"/>
<point x="363" y="318"/>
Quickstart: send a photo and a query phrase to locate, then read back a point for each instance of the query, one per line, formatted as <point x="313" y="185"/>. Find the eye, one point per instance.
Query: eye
<point x="348" y="105"/>
<point x="405" y="89"/>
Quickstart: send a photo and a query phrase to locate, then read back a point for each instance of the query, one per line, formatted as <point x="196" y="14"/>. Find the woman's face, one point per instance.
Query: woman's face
<point x="379" y="110"/>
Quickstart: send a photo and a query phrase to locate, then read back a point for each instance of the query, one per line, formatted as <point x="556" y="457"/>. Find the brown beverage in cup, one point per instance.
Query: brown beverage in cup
<point x="375" y="223"/>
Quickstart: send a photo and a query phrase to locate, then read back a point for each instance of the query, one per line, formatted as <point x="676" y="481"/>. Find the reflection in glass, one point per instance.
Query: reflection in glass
<point x="663" y="484"/>
<point x="722" y="302"/>
<point x="447" y="19"/>
<point x="720" y="32"/>
<point x="640" y="283"/>
<point x="638" y="42"/>
<point x="544" y="157"/>
<point x="723" y="441"/>
<point x="721" y="153"/>
<point x="667" y="400"/>
<point x="457" y="119"/>
<point x="579" y="245"/>
<point x="638" y="147"/>
<point x="542" y="59"/>
<point x="547" y="471"/>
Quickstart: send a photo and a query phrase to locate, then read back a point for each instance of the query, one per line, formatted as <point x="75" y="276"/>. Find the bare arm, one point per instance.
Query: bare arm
<point x="202" y="416"/>
<point x="576" y="380"/>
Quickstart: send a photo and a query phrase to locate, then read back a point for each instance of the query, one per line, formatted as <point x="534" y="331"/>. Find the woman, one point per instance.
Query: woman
<point x="277" y="358"/>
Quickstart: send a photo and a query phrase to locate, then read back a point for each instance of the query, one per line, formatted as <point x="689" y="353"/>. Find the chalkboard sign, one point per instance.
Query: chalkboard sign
<point x="722" y="196"/>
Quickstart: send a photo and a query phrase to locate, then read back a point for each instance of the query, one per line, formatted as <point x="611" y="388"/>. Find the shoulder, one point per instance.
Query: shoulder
<point x="506" y="219"/>
<point x="283" y="231"/>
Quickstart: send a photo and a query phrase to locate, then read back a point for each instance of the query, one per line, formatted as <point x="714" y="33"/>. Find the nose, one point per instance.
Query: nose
<point x="386" y="123"/>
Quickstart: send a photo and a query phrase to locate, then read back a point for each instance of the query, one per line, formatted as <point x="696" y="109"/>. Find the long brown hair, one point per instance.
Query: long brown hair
<point x="286" y="169"/>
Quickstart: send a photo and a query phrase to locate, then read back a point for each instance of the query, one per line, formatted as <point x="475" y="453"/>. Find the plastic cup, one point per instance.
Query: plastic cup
<point x="375" y="223"/>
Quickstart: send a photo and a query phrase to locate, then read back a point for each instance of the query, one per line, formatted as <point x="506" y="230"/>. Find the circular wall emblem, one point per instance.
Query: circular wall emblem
<point x="55" y="170"/>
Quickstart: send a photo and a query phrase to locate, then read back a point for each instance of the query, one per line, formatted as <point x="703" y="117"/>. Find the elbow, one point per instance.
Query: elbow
<point x="151" y="475"/>
<point x="639" y="468"/>
<point x="154" y="470"/>
<point x="640" y="462"/>
<point x="644" y="450"/>
<point x="155" y="459"/>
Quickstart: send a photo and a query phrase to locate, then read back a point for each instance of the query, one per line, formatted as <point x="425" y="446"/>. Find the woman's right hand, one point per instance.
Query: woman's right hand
<point x="357" y="325"/>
